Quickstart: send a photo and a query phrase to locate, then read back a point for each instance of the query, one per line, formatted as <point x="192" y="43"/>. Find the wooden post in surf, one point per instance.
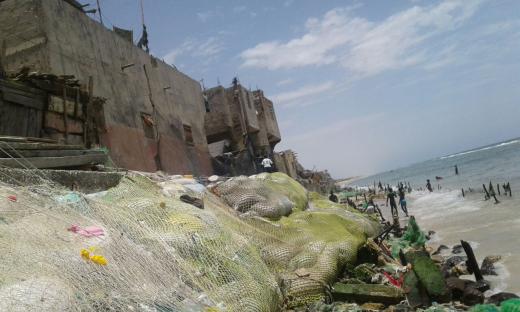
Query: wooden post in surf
<point x="486" y="191"/>
<point x="498" y="189"/>
<point x="463" y="195"/>
<point x="472" y="262"/>
<point x="509" y="189"/>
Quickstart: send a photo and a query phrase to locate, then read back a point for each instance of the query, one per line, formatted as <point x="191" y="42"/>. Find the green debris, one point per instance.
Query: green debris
<point x="511" y="305"/>
<point x="412" y="237"/>
<point x="485" y="308"/>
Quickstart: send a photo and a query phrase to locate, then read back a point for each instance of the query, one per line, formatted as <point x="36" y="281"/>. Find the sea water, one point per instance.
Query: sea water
<point x="493" y="229"/>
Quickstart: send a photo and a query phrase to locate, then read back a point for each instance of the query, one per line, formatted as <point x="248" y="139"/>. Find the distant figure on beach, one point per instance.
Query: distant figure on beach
<point x="333" y="198"/>
<point x="380" y="186"/>
<point x="267" y="164"/>
<point x="402" y="200"/>
<point x="429" y="185"/>
<point x="456" y="170"/>
<point x="390" y="197"/>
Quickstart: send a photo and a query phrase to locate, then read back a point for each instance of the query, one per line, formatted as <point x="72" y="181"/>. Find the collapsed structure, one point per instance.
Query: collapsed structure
<point x="241" y="128"/>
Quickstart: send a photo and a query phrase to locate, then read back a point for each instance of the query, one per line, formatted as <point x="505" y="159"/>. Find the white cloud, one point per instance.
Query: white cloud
<point x="207" y="49"/>
<point x="284" y="82"/>
<point x="288" y="3"/>
<point x="205" y="16"/>
<point x="239" y="9"/>
<point x="361" y="46"/>
<point x="302" y="95"/>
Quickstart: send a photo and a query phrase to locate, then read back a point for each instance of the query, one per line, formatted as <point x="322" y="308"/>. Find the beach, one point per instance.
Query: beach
<point x="492" y="228"/>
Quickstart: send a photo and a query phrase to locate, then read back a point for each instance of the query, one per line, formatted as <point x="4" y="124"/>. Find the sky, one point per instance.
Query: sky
<point x="359" y="87"/>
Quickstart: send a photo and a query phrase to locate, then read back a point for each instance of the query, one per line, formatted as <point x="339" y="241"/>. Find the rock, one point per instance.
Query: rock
<point x="399" y="308"/>
<point x="497" y="299"/>
<point x="448" y="267"/>
<point x="472" y="296"/>
<point x="487" y="267"/>
<point x="364" y="272"/>
<point x="429" y="275"/>
<point x="437" y="258"/>
<point x="363" y="293"/>
<point x="483" y="285"/>
<point x="372" y="306"/>
<point x="440" y="249"/>
<point x="457" y="249"/>
<point x="457" y="286"/>
<point x="197" y="202"/>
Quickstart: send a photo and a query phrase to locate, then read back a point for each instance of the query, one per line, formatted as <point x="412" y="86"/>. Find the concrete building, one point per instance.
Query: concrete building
<point x="241" y="128"/>
<point x="153" y="114"/>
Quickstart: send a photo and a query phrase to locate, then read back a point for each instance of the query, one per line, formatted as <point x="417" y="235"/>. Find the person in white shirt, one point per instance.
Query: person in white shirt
<point x="267" y="164"/>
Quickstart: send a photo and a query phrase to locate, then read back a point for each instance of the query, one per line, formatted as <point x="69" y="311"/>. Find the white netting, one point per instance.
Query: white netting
<point x="162" y="254"/>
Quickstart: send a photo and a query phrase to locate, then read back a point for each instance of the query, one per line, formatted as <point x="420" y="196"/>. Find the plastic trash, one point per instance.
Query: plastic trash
<point x="97" y="259"/>
<point x="12" y="198"/>
<point x="511" y="305"/>
<point x="89" y="231"/>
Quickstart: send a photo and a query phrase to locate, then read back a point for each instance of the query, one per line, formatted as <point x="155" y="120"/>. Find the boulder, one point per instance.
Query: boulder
<point x="482" y="285"/>
<point x="363" y="293"/>
<point x="457" y="249"/>
<point x="440" y="249"/>
<point x="497" y="299"/>
<point x="488" y="267"/>
<point x="457" y="286"/>
<point x="472" y="296"/>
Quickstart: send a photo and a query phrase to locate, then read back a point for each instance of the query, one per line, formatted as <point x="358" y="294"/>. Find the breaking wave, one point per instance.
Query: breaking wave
<point x="482" y="149"/>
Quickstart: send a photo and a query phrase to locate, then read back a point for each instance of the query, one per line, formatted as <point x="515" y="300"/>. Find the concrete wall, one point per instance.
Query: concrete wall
<point x="218" y="121"/>
<point x="267" y="114"/>
<point x="76" y="45"/>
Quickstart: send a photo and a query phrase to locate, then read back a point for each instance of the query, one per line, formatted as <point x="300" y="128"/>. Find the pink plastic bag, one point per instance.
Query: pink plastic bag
<point x="89" y="231"/>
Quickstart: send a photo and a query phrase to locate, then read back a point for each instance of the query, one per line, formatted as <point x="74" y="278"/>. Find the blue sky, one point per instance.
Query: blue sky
<point x="359" y="86"/>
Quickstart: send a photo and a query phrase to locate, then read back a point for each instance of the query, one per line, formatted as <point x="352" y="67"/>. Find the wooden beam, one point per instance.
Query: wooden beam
<point x="26" y="139"/>
<point x="48" y="153"/>
<point x="53" y="162"/>
<point x="38" y="146"/>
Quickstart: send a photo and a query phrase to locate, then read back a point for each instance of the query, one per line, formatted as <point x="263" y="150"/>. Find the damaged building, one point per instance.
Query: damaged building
<point x="241" y="128"/>
<point x="152" y="117"/>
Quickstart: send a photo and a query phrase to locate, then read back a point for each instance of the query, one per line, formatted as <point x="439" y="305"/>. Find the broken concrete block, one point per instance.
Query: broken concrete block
<point x="364" y="272"/>
<point x="415" y="293"/>
<point x="363" y="293"/>
<point x="429" y="275"/>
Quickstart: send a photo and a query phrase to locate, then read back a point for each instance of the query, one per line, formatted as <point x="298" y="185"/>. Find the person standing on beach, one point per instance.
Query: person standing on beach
<point x="402" y="200"/>
<point x="456" y="170"/>
<point x="390" y="197"/>
<point x="267" y="163"/>
<point x="429" y="185"/>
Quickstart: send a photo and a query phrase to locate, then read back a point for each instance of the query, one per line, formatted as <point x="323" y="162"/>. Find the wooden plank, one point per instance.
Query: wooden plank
<point x="13" y="119"/>
<point x="48" y="153"/>
<point x="56" y="105"/>
<point x="25" y="139"/>
<point x="19" y="97"/>
<point x="53" y="162"/>
<point x="55" y="121"/>
<point x="41" y="146"/>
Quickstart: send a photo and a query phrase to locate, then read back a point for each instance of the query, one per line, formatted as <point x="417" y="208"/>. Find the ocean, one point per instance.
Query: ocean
<point x="493" y="229"/>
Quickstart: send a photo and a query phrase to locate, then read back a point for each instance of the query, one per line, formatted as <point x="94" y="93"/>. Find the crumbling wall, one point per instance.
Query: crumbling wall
<point x="135" y="85"/>
<point x="22" y="35"/>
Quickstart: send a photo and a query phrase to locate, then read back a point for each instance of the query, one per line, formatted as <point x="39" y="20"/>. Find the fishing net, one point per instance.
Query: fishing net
<point x="138" y="247"/>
